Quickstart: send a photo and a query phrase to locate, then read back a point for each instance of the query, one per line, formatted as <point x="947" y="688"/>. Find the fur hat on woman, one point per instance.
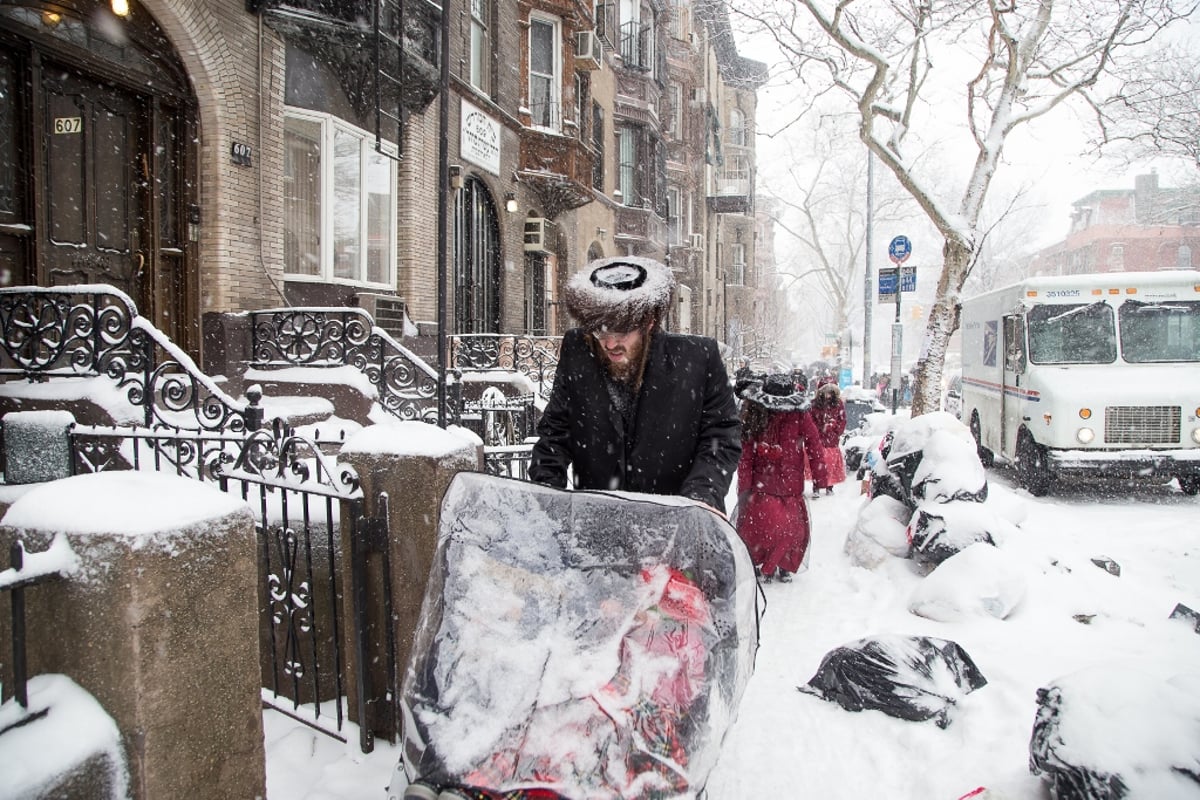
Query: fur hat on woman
<point x="620" y="294"/>
<point x="778" y="393"/>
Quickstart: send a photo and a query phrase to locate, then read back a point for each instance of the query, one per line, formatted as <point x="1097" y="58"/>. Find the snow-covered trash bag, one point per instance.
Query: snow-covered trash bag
<point x="932" y="457"/>
<point x="1116" y="731"/>
<point x="979" y="581"/>
<point x="588" y="644"/>
<point x="910" y="677"/>
<point x="879" y="532"/>
<point x="938" y="531"/>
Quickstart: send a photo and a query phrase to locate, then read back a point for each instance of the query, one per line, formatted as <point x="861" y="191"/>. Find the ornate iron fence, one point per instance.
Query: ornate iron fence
<point x="301" y="497"/>
<point x="330" y="337"/>
<point x="89" y="331"/>
<point x="535" y="357"/>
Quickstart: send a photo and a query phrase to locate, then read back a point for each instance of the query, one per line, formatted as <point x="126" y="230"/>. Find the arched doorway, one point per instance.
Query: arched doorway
<point x="96" y="160"/>
<point x="476" y="260"/>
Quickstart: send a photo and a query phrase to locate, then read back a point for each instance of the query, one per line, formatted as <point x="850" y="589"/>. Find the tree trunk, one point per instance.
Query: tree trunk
<point x="943" y="322"/>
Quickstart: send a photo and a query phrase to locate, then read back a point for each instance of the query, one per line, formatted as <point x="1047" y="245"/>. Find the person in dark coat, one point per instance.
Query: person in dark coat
<point x="772" y="516"/>
<point x="829" y="414"/>
<point x="633" y="407"/>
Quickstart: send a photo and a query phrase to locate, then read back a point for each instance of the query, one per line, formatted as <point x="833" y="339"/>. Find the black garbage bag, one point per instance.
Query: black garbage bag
<point x="1114" y="731"/>
<point x="909" y="677"/>
<point x="940" y="530"/>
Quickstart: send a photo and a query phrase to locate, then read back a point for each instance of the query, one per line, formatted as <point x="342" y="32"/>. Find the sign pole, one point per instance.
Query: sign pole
<point x="898" y="251"/>
<point x="868" y="278"/>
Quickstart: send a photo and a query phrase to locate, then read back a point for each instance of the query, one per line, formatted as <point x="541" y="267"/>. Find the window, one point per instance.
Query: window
<point x="536" y="298"/>
<point x="735" y="176"/>
<point x="673" y="111"/>
<point x="545" y="85"/>
<point x="1160" y="331"/>
<point x="583" y="93"/>
<point x="1072" y="334"/>
<point x="627" y="166"/>
<point x="339" y="202"/>
<point x="1116" y="258"/>
<point x="737" y="128"/>
<point x="481" y="49"/>
<point x="598" y="147"/>
<point x="680" y="14"/>
<point x="737" y="264"/>
<point x="674" y="219"/>
<point x="637" y="36"/>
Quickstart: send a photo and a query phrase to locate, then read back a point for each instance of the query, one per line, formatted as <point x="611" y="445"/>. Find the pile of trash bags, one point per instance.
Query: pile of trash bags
<point x="926" y="475"/>
<point x="576" y="644"/>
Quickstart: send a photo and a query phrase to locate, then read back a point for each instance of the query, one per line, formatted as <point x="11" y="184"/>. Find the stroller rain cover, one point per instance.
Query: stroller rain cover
<point x="592" y="644"/>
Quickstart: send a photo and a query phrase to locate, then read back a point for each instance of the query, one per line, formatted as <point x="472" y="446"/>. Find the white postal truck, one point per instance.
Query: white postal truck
<point x="1092" y="376"/>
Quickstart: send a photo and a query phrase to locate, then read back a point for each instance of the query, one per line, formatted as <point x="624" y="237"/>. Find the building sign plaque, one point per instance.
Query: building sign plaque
<point x="479" y="138"/>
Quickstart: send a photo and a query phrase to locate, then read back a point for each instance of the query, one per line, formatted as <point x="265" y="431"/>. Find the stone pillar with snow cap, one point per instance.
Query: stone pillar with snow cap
<point x="411" y="463"/>
<point x="158" y="621"/>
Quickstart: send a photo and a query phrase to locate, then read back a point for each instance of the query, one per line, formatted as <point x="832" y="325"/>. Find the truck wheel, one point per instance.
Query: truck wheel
<point x="1190" y="484"/>
<point x="1032" y="470"/>
<point x="986" y="457"/>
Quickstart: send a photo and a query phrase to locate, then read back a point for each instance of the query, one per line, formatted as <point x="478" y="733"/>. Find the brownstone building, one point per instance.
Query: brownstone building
<point x="1146" y="228"/>
<point x="211" y="157"/>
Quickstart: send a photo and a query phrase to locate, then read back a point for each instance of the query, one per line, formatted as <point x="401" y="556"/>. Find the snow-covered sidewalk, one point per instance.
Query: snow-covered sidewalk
<point x="1074" y="614"/>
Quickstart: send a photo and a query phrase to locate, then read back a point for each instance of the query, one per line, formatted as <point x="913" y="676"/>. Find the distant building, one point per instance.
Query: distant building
<point x="1139" y="230"/>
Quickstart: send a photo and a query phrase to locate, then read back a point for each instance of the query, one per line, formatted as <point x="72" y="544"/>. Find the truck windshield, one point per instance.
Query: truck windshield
<point x="1072" y="334"/>
<point x="1166" y="331"/>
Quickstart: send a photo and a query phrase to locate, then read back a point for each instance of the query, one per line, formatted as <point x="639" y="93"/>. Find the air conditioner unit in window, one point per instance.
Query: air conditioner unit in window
<point x="537" y="231"/>
<point x="589" y="50"/>
<point x="696" y="241"/>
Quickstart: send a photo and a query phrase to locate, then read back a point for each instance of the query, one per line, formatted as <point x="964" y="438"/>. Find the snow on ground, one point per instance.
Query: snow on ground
<point x="1074" y="614"/>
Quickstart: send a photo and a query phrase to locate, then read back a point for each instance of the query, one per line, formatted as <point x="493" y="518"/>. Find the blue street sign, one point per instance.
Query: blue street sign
<point x="908" y="279"/>
<point x="900" y="249"/>
<point x="887" y="280"/>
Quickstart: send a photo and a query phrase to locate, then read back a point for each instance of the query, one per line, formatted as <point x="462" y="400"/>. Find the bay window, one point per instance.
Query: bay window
<point x="339" y="197"/>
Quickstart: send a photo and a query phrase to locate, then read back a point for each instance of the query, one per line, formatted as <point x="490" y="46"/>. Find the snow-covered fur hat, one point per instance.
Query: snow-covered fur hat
<point x="778" y="393"/>
<point x="619" y="294"/>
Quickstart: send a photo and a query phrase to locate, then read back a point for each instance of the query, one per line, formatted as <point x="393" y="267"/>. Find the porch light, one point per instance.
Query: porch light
<point x="510" y="203"/>
<point x="120" y="8"/>
<point x="51" y="19"/>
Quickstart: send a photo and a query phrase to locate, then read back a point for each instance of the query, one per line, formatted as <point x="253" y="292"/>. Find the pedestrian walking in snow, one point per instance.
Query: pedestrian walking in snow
<point x="773" y="518"/>
<point x="636" y="408"/>
<point x="829" y="414"/>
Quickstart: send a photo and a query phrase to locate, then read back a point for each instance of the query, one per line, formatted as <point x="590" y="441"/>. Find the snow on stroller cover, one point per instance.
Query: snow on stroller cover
<point x="589" y="644"/>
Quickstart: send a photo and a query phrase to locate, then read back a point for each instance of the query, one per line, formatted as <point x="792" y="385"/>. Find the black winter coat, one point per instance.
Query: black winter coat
<point x="686" y="435"/>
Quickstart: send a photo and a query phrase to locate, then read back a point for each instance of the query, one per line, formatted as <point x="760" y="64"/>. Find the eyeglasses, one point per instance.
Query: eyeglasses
<point x="603" y="334"/>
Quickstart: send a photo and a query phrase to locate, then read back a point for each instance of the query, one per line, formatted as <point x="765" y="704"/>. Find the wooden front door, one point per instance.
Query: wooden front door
<point x="96" y="168"/>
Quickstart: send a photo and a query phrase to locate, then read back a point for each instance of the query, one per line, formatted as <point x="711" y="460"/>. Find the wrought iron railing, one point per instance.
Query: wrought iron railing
<point x="331" y="337"/>
<point x="299" y="496"/>
<point x="535" y="357"/>
<point x="95" y="330"/>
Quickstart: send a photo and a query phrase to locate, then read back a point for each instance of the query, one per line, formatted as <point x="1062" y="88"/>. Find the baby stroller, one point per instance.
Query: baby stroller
<point x="577" y="645"/>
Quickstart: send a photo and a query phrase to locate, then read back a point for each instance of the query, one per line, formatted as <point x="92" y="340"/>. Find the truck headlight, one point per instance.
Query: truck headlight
<point x="1085" y="435"/>
<point x="1196" y="435"/>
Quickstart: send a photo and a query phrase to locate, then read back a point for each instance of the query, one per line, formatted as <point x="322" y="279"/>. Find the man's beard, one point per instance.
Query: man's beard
<point x="630" y="368"/>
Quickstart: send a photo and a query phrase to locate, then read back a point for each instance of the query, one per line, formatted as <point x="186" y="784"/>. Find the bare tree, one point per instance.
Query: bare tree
<point x="1158" y="111"/>
<point x="918" y="73"/>
<point x="822" y="208"/>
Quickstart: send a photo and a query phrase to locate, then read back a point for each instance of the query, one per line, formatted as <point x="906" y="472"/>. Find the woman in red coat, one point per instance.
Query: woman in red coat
<point x="772" y="516"/>
<point x="829" y="413"/>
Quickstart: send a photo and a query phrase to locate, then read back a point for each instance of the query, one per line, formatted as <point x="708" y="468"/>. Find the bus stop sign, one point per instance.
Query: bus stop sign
<point x="899" y="250"/>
